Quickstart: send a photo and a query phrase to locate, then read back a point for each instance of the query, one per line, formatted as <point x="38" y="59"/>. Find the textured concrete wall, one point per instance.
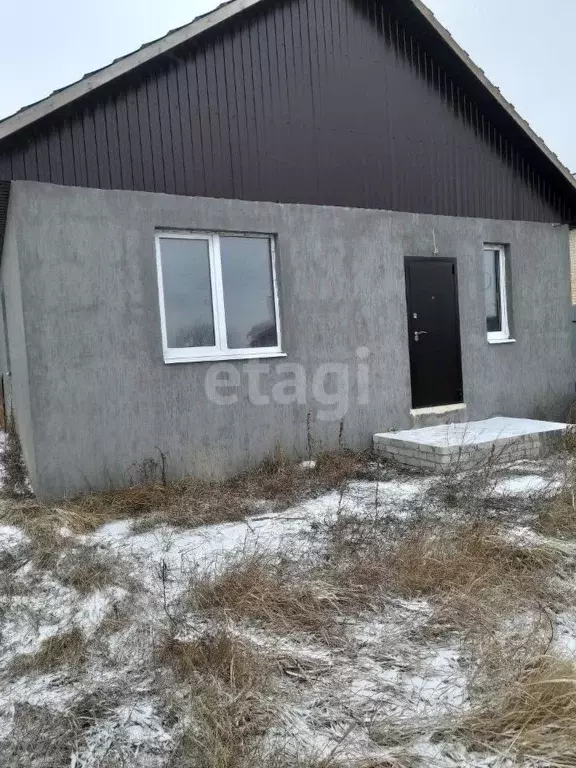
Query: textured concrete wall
<point x="103" y="399"/>
<point x="573" y="264"/>
<point x="16" y="384"/>
<point x="573" y="287"/>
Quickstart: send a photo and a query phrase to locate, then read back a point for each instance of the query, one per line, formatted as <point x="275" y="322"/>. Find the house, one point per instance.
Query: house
<point x="285" y="224"/>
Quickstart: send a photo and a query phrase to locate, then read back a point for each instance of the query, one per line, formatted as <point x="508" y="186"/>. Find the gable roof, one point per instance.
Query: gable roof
<point x="122" y="66"/>
<point x="90" y="82"/>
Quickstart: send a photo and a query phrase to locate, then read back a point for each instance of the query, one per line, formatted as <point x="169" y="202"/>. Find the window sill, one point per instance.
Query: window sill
<point x="223" y="357"/>
<point x="501" y="341"/>
<point x="438" y="410"/>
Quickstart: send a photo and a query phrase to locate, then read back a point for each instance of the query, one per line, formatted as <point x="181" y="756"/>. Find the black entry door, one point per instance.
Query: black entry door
<point x="433" y="332"/>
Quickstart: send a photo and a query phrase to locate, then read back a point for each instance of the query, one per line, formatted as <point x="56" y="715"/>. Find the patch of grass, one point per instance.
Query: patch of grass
<point x="259" y="589"/>
<point x="558" y="516"/>
<point x="534" y="715"/>
<point x="226" y="732"/>
<point x="232" y="706"/>
<point x="470" y="558"/>
<point x="95" y="509"/>
<point x="120" y="617"/>
<point x="88" y="708"/>
<point x="15" y="474"/>
<point x="280" y="482"/>
<point x="88" y="570"/>
<point x="467" y="488"/>
<point x="42" y="738"/>
<point x="39" y="738"/>
<point x="219" y="654"/>
<point x="463" y="568"/>
<point x="193" y="502"/>
<point x="42" y="526"/>
<point x="56" y="651"/>
<point x="227" y="714"/>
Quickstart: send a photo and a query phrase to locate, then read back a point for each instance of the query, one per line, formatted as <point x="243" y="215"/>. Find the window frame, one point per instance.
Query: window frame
<point x="220" y="350"/>
<point x="504" y="333"/>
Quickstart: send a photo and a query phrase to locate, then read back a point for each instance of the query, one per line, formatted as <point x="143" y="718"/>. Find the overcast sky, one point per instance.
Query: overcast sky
<point x="525" y="47"/>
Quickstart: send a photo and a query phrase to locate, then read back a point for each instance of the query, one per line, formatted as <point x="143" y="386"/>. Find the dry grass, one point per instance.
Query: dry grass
<point x="40" y="738"/>
<point x="68" y="648"/>
<point x="120" y="617"/>
<point x="472" y="576"/>
<point x="471" y="558"/>
<point x="280" y="482"/>
<point x="192" y="502"/>
<point x="226" y="732"/>
<point x="42" y="526"/>
<point x="227" y="714"/>
<point x="15" y="474"/>
<point x="87" y="570"/>
<point x="224" y="691"/>
<point x="558" y="516"/>
<point x="259" y="589"/>
<point x="467" y="487"/>
<point x="218" y="654"/>
<point x="533" y="716"/>
<point x="468" y="571"/>
<point x="95" y="705"/>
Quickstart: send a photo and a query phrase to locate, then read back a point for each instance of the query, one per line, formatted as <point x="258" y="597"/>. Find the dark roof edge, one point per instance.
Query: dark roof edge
<point x="93" y="80"/>
<point x="70" y="93"/>
<point x="494" y="91"/>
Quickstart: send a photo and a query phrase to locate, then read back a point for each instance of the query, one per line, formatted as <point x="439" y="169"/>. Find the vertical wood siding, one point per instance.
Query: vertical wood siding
<point x="338" y="102"/>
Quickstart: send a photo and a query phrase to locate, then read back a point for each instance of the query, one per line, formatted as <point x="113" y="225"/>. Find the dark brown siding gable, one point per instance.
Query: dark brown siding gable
<point x="336" y="102"/>
<point x="4" y="199"/>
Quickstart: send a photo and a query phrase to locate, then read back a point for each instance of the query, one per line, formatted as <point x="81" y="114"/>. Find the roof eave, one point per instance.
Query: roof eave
<point x="184" y="34"/>
<point x="493" y="90"/>
<point x="121" y="67"/>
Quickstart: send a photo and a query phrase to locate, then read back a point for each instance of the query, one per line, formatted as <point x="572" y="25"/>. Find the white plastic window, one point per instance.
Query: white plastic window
<point x="495" y="291"/>
<point x="218" y="296"/>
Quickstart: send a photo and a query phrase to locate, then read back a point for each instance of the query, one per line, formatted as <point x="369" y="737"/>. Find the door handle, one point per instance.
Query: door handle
<point x="417" y="335"/>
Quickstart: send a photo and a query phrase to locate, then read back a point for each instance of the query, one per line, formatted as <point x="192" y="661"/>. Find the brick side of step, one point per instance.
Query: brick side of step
<point x="414" y="454"/>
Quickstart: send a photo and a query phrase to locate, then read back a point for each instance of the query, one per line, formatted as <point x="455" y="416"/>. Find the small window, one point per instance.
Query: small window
<point x="495" y="293"/>
<point x="218" y="296"/>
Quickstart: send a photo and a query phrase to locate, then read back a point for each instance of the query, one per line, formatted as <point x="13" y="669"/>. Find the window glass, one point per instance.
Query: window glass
<point x="187" y="292"/>
<point x="492" y="290"/>
<point x="248" y="292"/>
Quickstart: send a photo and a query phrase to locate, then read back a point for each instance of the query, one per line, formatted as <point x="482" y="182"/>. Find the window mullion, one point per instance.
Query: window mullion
<point x="218" y="289"/>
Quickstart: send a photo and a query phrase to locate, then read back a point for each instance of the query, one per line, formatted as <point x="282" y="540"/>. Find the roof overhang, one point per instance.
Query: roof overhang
<point x="121" y="66"/>
<point x="71" y="93"/>
<point x="491" y="88"/>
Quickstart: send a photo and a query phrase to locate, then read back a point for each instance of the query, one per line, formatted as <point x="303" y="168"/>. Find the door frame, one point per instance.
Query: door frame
<point x="449" y="260"/>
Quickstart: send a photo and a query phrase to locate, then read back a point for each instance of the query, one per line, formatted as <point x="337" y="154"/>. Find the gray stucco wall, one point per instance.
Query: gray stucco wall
<point x="16" y="381"/>
<point x="102" y="398"/>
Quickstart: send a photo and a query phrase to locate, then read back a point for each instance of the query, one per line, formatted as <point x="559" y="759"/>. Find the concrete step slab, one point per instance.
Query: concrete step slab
<point x="470" y="443"/>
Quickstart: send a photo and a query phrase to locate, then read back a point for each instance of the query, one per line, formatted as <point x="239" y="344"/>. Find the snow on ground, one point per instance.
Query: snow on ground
<point x="343" y="702"/>
<point x="524" y="484"/>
